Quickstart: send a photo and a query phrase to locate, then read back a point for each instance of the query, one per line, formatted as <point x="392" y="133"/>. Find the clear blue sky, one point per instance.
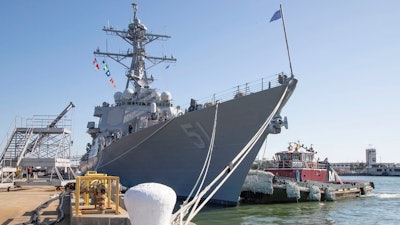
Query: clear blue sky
<point x="345" y="54"/>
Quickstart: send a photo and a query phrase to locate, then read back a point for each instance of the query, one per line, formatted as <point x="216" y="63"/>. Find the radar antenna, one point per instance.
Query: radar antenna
<point x="138" y="38"/>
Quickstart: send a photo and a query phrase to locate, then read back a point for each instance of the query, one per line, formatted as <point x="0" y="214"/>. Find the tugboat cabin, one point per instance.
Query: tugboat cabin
<point x="299" y="164"/>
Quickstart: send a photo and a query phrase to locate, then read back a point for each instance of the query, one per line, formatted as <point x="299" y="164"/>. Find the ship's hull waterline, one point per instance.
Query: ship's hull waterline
<point x="173" y="152"/>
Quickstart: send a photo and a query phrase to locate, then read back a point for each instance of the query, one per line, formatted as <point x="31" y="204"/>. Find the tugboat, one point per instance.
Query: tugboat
<point x="143" y="137"/>
<point x="295" y="175"/>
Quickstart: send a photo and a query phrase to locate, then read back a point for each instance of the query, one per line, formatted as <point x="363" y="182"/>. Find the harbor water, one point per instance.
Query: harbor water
<point x="382" y="206"/>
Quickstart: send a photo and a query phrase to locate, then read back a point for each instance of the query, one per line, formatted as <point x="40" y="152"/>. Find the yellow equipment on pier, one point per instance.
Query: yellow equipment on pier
<point x="99" y="187"/>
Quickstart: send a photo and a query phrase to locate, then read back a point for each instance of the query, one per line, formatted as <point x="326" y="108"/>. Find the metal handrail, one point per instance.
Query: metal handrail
<point x="243" y="89"/>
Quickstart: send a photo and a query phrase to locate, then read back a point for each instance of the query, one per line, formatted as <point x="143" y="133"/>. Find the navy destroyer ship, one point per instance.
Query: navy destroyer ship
<point x="142" y="137"/>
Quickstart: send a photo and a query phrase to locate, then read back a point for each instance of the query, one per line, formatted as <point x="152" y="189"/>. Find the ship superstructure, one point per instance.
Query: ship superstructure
<point x="139" y="106"/>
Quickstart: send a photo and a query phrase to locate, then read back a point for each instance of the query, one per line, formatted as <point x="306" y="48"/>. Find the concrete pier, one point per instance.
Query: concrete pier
<point x="18" y="204"/>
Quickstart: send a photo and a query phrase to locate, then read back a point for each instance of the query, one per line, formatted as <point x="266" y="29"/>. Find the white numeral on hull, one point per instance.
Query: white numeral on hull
<point x="198" y="133"/>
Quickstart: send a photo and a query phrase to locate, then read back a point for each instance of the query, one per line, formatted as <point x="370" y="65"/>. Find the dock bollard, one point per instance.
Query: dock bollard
<point x="150" y="203"/>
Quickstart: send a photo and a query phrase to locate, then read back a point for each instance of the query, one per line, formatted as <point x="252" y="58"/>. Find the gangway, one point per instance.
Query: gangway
<point x="42" y="143"/>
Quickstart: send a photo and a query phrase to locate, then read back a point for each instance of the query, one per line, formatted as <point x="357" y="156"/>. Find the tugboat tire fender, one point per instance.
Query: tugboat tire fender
<point x="372" y="184"/>
<point x="362" y="189"/>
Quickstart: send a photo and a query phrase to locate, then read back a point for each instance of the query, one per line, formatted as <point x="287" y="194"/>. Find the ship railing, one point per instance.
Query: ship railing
<point x="284" y="164"/>
<point x="245" y="89"/>
<point x="309" y="164"/>
<point x="121" y="102"/>
<point x="140" y="103"/>
<point x="299" y="164"/>
<point x="321" y="165"/>
<point x="43" y="121"/>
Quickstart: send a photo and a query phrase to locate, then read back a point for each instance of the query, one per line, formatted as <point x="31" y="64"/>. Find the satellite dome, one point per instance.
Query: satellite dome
<point x="166" y="96"/>
<point x="118" y="96"/>
<point x="128" y="93"/>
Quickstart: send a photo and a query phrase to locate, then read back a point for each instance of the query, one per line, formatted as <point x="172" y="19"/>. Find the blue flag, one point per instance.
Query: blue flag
<point x="277" y="15"/>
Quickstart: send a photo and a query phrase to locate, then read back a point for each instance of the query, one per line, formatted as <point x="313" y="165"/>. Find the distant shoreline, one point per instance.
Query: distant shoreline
<point x="366" y="174"/>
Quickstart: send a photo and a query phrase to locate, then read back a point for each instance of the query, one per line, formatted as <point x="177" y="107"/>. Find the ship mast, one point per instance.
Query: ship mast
<point x="137" y="37"/>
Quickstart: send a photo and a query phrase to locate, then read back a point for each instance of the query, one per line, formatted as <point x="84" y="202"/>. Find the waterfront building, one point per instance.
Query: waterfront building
<point x="370" y="156"/>
<point x="384" y="169"/>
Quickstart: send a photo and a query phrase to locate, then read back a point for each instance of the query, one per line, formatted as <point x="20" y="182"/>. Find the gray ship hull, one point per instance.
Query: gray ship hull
<point x="173" y="152"/>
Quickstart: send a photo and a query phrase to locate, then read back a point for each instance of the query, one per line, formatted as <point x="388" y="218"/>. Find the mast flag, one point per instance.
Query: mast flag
<point x="95" y="63"/>
<point x="277" y="15"/>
